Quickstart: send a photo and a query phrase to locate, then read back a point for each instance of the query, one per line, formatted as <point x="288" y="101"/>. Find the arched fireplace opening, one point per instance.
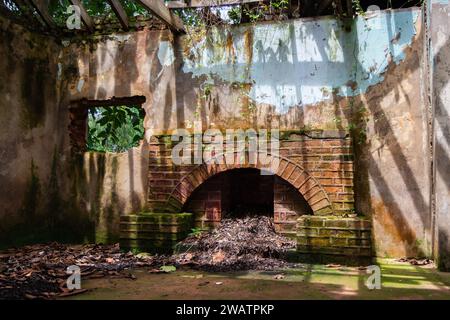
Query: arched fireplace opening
<point x="245" y="192"/>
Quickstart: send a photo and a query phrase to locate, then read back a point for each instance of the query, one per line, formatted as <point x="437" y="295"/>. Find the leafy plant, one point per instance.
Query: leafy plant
<point x="95" y="8"/>
<point x="358" y="8"/>
<point x="115" y="129"/>
<point x="279" y="4"/>
<point x="207" y="89"/>
<point x="275" y="8"/>
<point x="254" y="14"/>
<point x="235" y="14"/>
<point x="197" y="232"/>
<point x="168" y="269"/>
<point x="191" y="17"/>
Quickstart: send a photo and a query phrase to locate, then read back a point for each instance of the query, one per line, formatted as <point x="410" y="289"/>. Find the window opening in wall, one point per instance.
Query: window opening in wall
<point x="114" y="128"/>
<point x="113" y="125"/>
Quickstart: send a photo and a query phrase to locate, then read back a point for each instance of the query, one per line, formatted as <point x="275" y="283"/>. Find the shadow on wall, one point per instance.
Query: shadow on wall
<point x="417" y="189"/>
<point x="47" y="213"/>
<point x="363" y="89"/>
<point x="400" y="229"/>
<point x="103" y="186"/>
<point x="113" y="185"/>
<point x="441" y="96"/>
<point x="80" y="203"/>
<point x="400" y="208"/>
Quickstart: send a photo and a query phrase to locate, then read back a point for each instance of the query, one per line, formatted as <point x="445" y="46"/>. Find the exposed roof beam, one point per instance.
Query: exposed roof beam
<point x="42" y="8"/>
<point x="323" y="6"/>
<point x="26" y="9"/>
<point x="174" y="4"/>
<point x="159" y="9"/>
<point x="339" y="8"/>
<point x="87" y="20"/>
<point x="208" y="3"/>
<point x="350" y="8"/>
<point x="120" y="13"/>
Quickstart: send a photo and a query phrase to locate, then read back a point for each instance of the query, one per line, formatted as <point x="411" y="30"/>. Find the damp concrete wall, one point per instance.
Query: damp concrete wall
<point x="48" y="193"/>
<point x="363" y="76"/>
<point x="31" y="134"/>
<point x="439" y="21"/>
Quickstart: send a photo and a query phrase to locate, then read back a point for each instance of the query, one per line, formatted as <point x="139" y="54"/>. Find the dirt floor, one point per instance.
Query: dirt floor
<point x="400" y="280"/>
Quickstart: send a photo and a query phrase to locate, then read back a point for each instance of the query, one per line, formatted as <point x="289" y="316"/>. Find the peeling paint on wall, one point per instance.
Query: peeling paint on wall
<point x="80" y="85"/>
<point x="298" y="63"/>
<point x="165" y="53"/>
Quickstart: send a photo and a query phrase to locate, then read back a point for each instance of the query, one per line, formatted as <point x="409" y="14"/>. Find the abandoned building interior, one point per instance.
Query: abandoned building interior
<point x="359" y="96"/>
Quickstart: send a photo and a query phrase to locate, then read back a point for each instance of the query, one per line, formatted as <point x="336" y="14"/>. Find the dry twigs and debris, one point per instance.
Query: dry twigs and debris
<point x="237" y="244"/>
<point x="417" y="261"/>
<point x="39" y="271"/>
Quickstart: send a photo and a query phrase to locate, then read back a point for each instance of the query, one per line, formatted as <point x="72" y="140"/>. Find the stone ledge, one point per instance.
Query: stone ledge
<point x="334" y="235"/>
<point x="154" y="232"/>
<point x="344" y="251"/>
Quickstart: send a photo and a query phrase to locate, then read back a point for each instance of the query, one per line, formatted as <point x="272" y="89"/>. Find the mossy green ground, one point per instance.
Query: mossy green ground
<point x="399" y="281"/>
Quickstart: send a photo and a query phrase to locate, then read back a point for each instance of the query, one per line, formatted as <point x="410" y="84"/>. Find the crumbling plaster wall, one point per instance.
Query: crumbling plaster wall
<point x="30" y="131"/>
<point x="363" y="76"/>
<point x="48" y="193"/>
<point x="439" y="12"/>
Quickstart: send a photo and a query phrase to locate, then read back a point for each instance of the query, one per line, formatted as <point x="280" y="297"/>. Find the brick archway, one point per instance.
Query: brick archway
<point x="308" y="186"/>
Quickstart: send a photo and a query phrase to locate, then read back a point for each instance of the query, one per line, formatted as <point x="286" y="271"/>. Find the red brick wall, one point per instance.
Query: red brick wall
<point x="289" y="205"/>
<point x="328" y="160"/>
<point x="231" y="194"/>
<point x="206" y="202"/>
<point x="331" y="162"/>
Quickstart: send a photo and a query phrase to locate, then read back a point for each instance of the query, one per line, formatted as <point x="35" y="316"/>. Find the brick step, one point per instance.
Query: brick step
<point x="159" y="218"/>
<point x="150" y="227"/>
<point x="335" y="242"/>
<point x="351" y="251"/>
<point x="154" y="232"/>
<point x="328" y="233"/>
<point x="337" y="228"/>
<point x="151" y="246"/>
<point x="152" y="236"/>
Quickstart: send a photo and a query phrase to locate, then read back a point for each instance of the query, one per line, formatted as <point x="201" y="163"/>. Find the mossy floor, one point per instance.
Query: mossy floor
<point x="399" y="281"/>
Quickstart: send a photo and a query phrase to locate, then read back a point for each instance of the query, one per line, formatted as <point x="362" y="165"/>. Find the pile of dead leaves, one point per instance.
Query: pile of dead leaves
<point x="39" y="271"/>
<point x="237" y="244"/>
<point x="417" y="261"/>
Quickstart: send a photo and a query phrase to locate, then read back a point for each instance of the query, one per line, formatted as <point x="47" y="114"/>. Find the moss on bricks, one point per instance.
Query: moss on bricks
<point x="154" y="232"/>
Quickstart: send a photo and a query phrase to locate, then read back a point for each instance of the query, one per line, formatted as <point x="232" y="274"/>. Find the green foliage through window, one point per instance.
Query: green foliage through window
<point x="115" y="129"/>
<point x="95" y="8"/>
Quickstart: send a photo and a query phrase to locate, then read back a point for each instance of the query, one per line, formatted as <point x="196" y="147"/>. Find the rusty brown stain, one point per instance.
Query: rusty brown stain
<point x="248" y="45"/>
<point x="393" y="235"/>
<point x="395" y="220"/>
<point x="229" y="49"/>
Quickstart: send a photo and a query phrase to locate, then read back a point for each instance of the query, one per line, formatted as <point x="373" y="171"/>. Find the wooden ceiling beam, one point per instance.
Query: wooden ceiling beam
<point x="85" y="17"/>
<point x="120" y="13"/>
<point x="26" y="10"/>
<point x="350" y="8"/>
<point x="42" y="9"/>
<point x="159" y="9"/>
<point x="323" y="6"/>
<point x="207" y="3"/>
